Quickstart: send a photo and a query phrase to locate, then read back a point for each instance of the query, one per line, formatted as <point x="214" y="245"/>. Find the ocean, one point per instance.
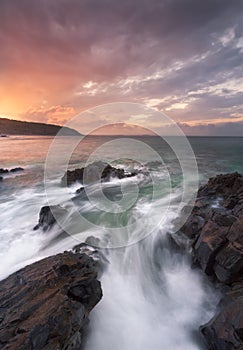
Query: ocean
<point x="153" y="298"/>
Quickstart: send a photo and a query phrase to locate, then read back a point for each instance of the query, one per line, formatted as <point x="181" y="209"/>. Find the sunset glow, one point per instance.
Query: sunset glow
<point x="181" y="57"/>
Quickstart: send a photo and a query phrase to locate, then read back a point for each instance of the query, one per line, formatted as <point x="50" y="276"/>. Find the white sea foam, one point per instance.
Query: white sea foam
<point x="152" y="299"/>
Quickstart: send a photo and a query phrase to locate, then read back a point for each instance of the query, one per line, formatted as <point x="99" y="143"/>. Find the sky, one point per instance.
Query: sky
<point x="182" y="57"/>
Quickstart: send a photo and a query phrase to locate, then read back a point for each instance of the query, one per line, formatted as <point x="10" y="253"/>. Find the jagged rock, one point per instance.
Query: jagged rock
<point x="94" y="172"/>
<point x="13" y="170"/>
<point x="229" y="262"/>
<point x="222" y="184"/>
<point x="218" y="248"/>
<point x="225" y="330"/>
<point x="193" y="225"/>
<point x="90" y="247"/>
<point x="211" y="239"/>
<point x="217" y="231"/>
<point x="45" y="306"/>
<point x="48" y="216"/>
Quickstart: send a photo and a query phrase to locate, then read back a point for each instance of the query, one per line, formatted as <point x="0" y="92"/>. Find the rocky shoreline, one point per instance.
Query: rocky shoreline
<point x="215" y="227"/>
<point x="45" y="306"/>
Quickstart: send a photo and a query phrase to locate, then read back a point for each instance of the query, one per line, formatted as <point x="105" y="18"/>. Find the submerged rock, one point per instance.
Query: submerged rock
<point x="49" y="215"/>
<point x="94" y="172"/>
<point x="46" y="305"/>
<point x="216" y="228"/>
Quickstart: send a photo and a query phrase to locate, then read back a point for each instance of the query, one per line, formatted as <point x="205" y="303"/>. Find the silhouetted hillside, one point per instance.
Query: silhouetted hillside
<point x="16" y="127"/>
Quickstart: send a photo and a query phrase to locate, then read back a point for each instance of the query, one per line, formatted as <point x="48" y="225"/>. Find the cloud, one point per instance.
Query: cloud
<point x="54" y="114"/>
<point x="81" y="53"/>
<point x="220" y="129"/>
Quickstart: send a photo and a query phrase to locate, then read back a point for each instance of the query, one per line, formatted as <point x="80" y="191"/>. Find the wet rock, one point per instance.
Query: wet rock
<point x="1" y="178"/>
<point x="80" y="190"/>
<point x="97" y="171"/>
<point x="225" y="330"/>
<point x="46" y="304"/>
<point x="221" y="184"/>
<point x="224" y="219"/>
<point x="211" y="239"/>
<point x="15" y="170"/>
<point x="88" y="247"/>
<point x="193" y="225"/>
<point x="49" y="215"/>
<point x="218" y="249"/>
<point x="3" y="171"/>
<point x="229" y="262"/>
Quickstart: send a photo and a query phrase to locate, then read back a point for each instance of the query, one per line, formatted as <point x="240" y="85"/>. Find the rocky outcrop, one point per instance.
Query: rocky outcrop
<point x="13" y="170"/>
<point x="216" y="229"/>
<point x="49" y="215"/>
<point x="45" y="306"/>
<point x="94" y="172"/>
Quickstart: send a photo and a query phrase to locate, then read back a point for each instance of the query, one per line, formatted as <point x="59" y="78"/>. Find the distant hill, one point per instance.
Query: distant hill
<point x="16" y="127"/>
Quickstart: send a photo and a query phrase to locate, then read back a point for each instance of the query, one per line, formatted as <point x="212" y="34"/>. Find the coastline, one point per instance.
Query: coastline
<point x="213" y="232"/>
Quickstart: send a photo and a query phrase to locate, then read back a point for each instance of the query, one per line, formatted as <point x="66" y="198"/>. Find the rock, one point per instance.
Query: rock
<point x="15" y="170"/>
<point x="224" y="219"/>
<point x="211" y="239"/>
<point x="218" y="248"/>
<point x="46" y="304"/>
<point x="93" y="173"/>
<point x="71" y="176"/>
<point x="3" y="171"/>
<point x="229" y="262"/>
<point x="217" y="229"/>
<point x="48" y="216"/>
<point x="225" y="330"/>
<point x="1" y="178"/>
<point x="236" y="232"/>
<point x="193" y="226"/>
<point x="90" y="247"/>
<point x="80" y="190"/>
<point x="221" y="184"/>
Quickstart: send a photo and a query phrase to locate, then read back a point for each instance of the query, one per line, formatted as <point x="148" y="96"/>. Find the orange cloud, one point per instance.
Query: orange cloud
<point x="53" y="115"/>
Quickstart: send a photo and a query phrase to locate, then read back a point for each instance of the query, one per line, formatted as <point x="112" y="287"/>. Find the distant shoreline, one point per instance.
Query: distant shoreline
<point x="16" y="127"/>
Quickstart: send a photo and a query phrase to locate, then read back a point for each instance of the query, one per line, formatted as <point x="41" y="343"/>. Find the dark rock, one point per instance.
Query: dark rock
<point x="3" y="171"/>
<point x="49" y="215"/>
<point x="229" y="262"/>
<point x="15" y="170"/>
<point x="80" y="190"/>
<point x="90" y="247"/>
<point x="193" y="226"/>
<point x="50" y="309"/>
<point x="236" y="232"/>
<point x="71" y="176"/>
<point x="1" y="178"/>
<point x="212" y="238"/>
<point x="97" y="171"/>
<point x="224" y="219"/>
<point x="221" y="184"/>
<point x="218" y="248"/>
<point x="225" y="330"/>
